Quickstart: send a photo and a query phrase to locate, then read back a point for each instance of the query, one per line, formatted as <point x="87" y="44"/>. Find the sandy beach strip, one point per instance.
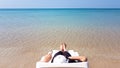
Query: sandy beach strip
<point x="24" y="48"/>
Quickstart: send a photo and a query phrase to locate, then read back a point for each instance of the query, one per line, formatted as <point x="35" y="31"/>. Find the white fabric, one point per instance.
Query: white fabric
<point x="62" y="65"/>
<point x="60" y="59"/>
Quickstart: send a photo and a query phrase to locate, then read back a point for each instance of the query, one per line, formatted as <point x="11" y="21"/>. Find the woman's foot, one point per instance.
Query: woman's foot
<point x="63" y="47"/>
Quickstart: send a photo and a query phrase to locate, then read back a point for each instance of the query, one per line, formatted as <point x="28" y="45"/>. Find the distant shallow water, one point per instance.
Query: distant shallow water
<point x="80" y="17"/>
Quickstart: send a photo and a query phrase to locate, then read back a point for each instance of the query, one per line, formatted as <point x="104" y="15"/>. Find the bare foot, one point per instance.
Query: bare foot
<point x="63" y="47"/>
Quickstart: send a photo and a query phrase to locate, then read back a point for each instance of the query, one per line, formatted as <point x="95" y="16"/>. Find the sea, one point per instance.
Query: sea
<point x="17" y="18"/>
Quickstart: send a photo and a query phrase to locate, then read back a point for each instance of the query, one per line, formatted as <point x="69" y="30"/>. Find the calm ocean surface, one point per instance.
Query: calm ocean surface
<point x="71" y="18"/>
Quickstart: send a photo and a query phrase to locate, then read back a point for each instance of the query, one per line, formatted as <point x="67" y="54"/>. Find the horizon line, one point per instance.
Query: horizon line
<point x="59" y="8"/>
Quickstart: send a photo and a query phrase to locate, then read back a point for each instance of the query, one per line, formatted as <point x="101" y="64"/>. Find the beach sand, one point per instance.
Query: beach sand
<point x="22" y="48"/>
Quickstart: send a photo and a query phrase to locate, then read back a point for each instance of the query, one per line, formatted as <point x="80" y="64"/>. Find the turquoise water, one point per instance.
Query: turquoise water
<point x="71" y="18"/>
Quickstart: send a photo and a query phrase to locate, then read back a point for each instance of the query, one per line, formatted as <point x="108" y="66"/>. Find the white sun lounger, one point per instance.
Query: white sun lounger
<point x="63" y="65"/>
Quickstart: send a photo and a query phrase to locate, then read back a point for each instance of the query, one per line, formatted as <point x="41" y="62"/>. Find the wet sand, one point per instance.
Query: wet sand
<point x="22" y="48"/>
